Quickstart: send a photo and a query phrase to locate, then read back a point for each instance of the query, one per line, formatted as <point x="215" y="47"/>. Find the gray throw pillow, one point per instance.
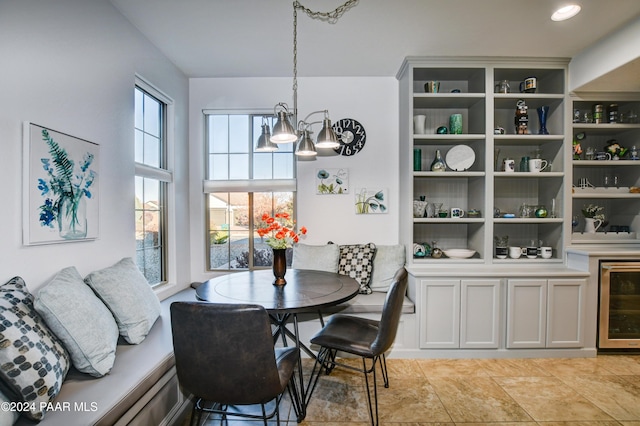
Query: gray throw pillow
<point x="386" y="262"/>
<point x="319" y="258"/>
<point x="83" y="323"/>
<point x="129" y="297"/>
<point x="34" y="362"/>
<point x="7" y="417"/>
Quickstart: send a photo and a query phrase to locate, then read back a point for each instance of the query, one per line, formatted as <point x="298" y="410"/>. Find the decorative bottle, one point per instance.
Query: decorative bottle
<point x="521" y="118"/>
<point x="438" y="164"/>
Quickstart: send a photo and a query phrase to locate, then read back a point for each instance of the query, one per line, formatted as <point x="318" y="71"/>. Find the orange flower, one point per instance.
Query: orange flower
<point x="279" y="230"/>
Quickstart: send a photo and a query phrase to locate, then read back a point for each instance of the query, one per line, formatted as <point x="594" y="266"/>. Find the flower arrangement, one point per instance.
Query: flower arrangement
<point x="280" y="231"/>
<point x="615" y="149"/>
<point x="592" y="211"/>
<point x="577" y="150"/>
<point x="65" y="187"/>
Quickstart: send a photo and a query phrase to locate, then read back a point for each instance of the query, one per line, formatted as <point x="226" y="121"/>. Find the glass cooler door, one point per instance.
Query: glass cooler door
<point x="620" y="305"/>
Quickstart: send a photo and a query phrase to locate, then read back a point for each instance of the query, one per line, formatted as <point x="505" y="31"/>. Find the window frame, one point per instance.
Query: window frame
<point x="249" y="185"/>
<point x="165" y="176"/>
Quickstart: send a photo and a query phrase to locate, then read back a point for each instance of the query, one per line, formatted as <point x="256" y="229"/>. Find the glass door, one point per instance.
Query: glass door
<point x="619" y="325"/>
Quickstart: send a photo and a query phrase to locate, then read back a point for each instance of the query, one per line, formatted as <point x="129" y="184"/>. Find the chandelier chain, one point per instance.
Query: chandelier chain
<point x="330" y="17"/>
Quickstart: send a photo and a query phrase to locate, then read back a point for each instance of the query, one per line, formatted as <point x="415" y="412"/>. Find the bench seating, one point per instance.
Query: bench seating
<point x="141" y="389"/>
<point x="368" y="304"/>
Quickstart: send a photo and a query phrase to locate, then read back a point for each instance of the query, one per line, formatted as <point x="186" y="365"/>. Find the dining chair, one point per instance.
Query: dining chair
<point x="225" y="358"/>
<point x="366" y="338"/>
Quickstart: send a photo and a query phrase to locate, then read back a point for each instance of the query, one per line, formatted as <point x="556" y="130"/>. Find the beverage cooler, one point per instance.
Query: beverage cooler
<point x="619" y="311"/>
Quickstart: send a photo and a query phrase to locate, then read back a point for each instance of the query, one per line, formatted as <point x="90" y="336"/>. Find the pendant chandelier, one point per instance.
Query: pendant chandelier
<point x="283" y="130"/>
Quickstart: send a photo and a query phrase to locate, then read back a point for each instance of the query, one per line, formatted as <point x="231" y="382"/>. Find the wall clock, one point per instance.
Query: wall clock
<point x="351" y="135"/>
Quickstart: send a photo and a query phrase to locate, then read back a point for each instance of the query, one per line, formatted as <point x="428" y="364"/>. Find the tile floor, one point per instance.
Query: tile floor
<point x="599" y="391"/>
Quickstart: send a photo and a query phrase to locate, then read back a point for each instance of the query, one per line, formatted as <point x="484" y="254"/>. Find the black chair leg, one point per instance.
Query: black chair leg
<point x="374" y="420"/>
<point x="385" y="373"/>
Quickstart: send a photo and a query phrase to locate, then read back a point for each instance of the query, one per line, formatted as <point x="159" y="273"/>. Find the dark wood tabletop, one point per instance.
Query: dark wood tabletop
<point x="306" y="290"/>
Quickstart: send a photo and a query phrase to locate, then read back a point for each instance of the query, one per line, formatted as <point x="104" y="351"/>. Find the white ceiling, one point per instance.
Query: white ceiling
<point x="249" y="38"/>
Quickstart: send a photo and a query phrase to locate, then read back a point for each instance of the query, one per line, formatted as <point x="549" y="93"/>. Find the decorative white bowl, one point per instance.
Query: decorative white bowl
<point x="459" y="253"/>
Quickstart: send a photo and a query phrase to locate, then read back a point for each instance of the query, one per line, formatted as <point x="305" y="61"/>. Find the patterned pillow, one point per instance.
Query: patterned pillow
<point x="356" y="260"/>
<point x="33" y="361"/>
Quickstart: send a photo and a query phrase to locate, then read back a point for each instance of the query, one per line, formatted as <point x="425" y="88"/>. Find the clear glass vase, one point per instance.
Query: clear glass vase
<point x="72" y="218"/>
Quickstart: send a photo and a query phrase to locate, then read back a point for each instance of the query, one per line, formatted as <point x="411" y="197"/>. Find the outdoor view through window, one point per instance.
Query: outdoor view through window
<point x="242" y="185"/>
<point x="150" y="186"/>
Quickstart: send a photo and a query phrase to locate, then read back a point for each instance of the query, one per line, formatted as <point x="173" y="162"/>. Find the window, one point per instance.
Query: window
<point x="241" y="185"/>
<point x="151" y="182"/>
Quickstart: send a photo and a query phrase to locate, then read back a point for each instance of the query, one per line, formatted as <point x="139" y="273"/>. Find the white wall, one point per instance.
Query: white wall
<point x="612" y="55"/>
<point x="70" y="65"/>
<point x="373" y="101"/>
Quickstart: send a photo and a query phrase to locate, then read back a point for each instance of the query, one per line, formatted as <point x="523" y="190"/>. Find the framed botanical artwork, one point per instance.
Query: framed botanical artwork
<point x="60" y="187"/>
<point x="332" y="181"/>
<point x="371" y="201"/>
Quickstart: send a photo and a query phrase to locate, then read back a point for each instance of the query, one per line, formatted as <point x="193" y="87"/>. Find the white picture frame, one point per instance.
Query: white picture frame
<point x="60" y="187"/>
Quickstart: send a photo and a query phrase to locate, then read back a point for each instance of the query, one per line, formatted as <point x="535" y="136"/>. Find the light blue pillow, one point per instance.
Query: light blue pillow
<point x="129" y="297"/>
<point x="387" y="261"/>
<point x="319" y="258"/>
<point x="80" y="320"/>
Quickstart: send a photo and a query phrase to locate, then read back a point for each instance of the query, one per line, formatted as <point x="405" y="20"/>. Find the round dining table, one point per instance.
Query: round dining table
<point x="305" y="291"/>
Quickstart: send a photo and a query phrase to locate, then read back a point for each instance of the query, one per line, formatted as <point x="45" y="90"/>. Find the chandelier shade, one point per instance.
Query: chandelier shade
<point x="327" y="137"/>
<point x="283" y="131"/>
<point x="306" y="148"/>
<point x="264" y="143"/>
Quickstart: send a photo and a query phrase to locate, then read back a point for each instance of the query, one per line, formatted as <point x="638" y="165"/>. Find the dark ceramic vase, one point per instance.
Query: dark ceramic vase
<point x="543" y="113"/>
<point x="279" y="266"/>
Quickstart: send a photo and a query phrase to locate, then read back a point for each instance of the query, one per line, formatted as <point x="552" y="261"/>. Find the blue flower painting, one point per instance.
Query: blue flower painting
<point x="371" y="201"/>
<point x="332" y="181"/>
<point x="63" y="174"/>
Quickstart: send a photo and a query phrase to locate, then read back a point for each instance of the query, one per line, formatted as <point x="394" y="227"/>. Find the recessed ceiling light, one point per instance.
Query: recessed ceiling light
<point x="565" y="12"/>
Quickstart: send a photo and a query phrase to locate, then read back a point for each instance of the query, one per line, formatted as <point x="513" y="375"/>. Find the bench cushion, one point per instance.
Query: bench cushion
<point x="367" y="304"/>
<point x="136" y="370"/>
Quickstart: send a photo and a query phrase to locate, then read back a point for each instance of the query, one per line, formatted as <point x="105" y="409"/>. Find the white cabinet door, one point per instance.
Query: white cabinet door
<point x="565" y="313"/>
<point x="480" y="314"/>
<point x="526" y="313"/>
<point x="440" y="314"/>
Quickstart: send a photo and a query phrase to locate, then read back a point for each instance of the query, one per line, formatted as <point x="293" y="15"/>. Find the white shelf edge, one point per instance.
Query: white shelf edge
<point x="449" y="137"/>
<point x="530" y="137"/>
<point x="578" y="163"/>
<point x="605" y="126"/>
<point x="448" y="174"/>
<point x="528" y="220"/>
<point x="441" y="220"/>
<point x="448" y="95"/>
<point x="526" y="260"/>
<point x="528" y="174"/>
<point x="517" y="95"/>
<point x="605" y="196"/>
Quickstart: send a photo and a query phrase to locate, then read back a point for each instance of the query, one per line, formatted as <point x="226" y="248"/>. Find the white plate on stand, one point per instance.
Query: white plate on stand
<point x="460" y="158"/>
